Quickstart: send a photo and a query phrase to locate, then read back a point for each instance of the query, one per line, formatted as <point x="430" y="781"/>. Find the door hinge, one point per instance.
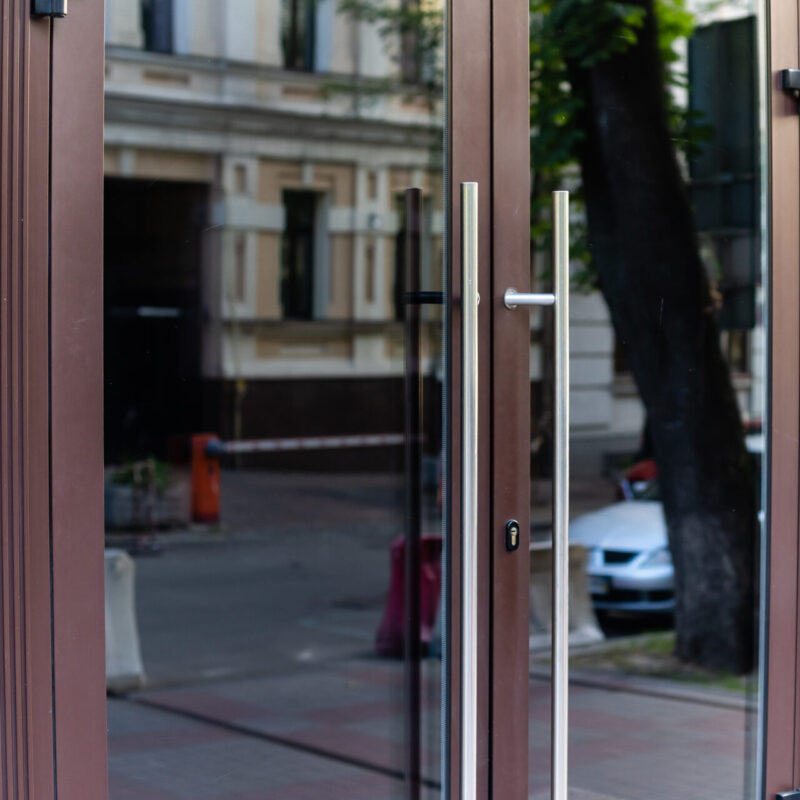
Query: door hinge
<point x="50" y="8"/>
<point x="795" y="794"/>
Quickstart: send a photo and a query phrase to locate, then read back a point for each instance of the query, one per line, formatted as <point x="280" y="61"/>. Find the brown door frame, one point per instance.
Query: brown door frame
<point x="52" y="673"/>
<point x="488" y="83"/>
<point x="469" y="158"/>
<point x="26" y="731"/>
<point x="76" y="412"/>
<point x="52" y="718"/>
<point x="781" y="771"/>
<point x="511" y="409"/>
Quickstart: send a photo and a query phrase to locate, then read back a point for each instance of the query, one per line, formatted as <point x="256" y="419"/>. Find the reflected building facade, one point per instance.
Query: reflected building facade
<point x="265" y="274"/>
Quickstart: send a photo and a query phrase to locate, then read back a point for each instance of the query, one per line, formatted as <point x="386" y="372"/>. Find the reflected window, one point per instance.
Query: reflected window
<point x="157" y="21"/>
<point x="724" y="173"/>
<point x="297" y="255"/>
<point x="298" y="33"/>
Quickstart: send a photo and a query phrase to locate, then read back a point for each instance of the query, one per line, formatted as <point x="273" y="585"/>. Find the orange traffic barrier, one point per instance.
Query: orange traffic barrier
<point x="205" y="479"/>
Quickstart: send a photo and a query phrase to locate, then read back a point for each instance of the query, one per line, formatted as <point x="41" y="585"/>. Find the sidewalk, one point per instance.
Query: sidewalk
<point x="338" y="733"/>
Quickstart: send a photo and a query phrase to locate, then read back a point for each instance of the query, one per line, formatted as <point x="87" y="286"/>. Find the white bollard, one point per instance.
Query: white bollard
<point x="583" y="627"/>
<point x="124" y="669"/>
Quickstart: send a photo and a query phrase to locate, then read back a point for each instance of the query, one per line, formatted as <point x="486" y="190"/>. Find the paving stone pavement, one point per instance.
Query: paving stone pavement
<point x="338" y="733"/>
<point x="258" y="645"/>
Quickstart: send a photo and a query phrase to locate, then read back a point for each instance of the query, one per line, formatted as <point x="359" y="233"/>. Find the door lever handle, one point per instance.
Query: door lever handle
<point x="512" y="298"/>
<point x="560" y="299"/>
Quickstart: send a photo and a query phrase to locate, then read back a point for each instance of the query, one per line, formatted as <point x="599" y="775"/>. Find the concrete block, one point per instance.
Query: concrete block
<point x="124" y="668"/>
<point x="583" y="627"/>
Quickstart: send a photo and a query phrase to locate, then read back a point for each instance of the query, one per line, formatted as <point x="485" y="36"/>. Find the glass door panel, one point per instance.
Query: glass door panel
<point x="274" y="379"/>
<point x="652" y="116"/>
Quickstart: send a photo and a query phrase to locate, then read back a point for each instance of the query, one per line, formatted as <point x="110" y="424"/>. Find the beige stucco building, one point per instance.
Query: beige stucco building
<point x="289" y="131"/>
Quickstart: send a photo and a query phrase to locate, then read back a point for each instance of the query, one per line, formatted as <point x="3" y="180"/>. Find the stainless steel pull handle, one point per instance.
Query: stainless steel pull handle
<point x="469" y="490"/>
<point x="560" y="685"/>
<point x="560" y="299"/>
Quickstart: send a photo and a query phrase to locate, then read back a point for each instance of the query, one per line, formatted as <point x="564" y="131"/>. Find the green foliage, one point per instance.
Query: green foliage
<point x="419" y="25"/>
<point x="581" y="34"/>
<point x="147" y="473"/>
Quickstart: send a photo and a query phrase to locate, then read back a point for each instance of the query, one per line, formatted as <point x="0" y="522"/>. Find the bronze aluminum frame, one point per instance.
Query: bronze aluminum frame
<point x="781" y="731"/>
<point x="76" y="414"/>
<point x="510" y="412"/>
<point x="488" y="79"/>
<point x="26" y="729"/>
<point x="469" y="113"/>
<point x="52" y="679"/>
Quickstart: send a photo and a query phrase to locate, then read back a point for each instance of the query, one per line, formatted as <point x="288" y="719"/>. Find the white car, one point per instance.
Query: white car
<point x="630" y="566"/>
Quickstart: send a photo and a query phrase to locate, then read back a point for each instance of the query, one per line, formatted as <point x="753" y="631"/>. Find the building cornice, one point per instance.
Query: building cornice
<point x="128" y="108"/>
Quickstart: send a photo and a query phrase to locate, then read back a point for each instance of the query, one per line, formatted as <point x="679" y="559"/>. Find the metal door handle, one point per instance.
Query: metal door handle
<point x="512" y="298"/>
<point x="469" y="490"/>
<point x="560" y="299"/>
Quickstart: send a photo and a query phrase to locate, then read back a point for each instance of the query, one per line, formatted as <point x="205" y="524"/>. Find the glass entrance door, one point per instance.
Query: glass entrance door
<point x="653" y="116"/>
<point x="276" y="413"/>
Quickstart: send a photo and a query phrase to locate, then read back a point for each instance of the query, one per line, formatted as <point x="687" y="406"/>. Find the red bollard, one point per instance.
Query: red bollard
<point x="205" y="479"/>
<point x="391" y="632"/>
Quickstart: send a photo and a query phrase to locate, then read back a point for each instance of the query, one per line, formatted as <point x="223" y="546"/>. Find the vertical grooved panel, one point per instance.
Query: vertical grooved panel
<point x="26" y="769"/>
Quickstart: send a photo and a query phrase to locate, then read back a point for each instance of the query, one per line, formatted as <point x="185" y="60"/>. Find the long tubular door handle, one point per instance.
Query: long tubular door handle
<point x="469" y="490"/>
<point x="560" y="683"/>
<point x="559" y="721"/>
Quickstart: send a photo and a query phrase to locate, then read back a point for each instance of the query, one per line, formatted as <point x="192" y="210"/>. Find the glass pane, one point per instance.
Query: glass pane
<point x="652" y="115"/>
<point x="274" y="313"/>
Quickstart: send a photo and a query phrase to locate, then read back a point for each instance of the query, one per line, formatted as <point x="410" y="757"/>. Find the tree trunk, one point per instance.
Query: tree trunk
<point x="644" y="246"/>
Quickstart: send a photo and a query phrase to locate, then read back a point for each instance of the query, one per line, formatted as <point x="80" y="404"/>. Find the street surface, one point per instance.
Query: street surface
<point x="258" y="643"/>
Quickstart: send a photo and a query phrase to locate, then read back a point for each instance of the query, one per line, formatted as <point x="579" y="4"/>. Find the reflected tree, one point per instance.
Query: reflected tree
<point x="604" y="118"/>
<point x="602" y="99"/>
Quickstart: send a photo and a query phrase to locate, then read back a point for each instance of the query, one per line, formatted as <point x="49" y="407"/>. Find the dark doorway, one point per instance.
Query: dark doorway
<point x="152" y="269"/>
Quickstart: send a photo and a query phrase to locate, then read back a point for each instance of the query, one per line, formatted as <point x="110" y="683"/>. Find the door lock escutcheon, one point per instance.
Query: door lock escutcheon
<point x="512" y="535"/>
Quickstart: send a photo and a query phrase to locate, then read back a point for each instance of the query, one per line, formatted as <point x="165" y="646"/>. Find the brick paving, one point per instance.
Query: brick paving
<point x="338" y="733"/>
<point x="258" y="644"/>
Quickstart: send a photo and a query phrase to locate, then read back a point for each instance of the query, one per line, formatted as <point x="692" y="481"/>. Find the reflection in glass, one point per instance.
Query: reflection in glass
<point x="668" y="380"/>
<point x="260" y="459"/>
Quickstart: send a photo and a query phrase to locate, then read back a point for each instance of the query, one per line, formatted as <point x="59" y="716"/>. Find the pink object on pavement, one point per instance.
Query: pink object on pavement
<point x="391" y="632"/>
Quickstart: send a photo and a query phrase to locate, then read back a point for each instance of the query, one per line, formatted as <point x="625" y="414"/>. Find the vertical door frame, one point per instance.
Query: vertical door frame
<point x="76" y="413"/>
<point x="26" y="728"/>
<point x="781" y="601"/>
<point x="52" y="655"/>
<point x="468" y="148"/>
<point x="511" y="408"/>
<point x="488" y="142"/>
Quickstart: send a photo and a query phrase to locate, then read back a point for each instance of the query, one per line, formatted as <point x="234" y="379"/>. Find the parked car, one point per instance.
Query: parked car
<point x="629" y="565"/>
